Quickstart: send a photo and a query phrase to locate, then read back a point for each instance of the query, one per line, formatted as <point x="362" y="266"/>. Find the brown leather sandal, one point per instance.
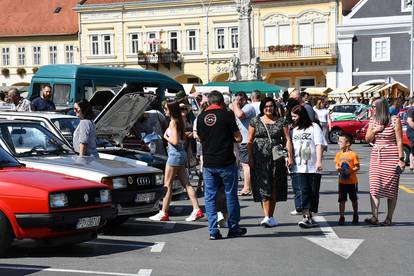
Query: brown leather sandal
<point x="386" y="222"/>
<point x="371" y="221"/>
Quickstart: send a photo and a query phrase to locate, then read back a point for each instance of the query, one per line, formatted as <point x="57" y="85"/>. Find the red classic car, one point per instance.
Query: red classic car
<point x="336" y="128"/>
<point x="41" y="205"/>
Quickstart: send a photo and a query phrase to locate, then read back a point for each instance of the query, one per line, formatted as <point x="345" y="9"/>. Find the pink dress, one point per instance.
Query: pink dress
<point x="383" y="179"/>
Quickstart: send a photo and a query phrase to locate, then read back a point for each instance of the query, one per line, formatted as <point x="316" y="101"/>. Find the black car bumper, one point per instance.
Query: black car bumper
<point x="133" y="202"/>
<point x="61" y="221"/>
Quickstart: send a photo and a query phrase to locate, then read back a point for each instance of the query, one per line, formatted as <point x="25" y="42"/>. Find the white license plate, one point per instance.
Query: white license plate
<point x="145" y="197"/>
<point x="88" y="222"/>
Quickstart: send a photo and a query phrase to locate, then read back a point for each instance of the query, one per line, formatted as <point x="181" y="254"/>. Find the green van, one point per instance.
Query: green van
<point x="71" y="83"/>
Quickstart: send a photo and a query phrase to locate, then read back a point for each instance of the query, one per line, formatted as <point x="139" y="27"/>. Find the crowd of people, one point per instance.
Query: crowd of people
<point x="271" y="139"/>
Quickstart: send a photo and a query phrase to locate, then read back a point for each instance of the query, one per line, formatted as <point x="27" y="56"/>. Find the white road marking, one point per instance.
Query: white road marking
<point x="141" y="272"/>
<point x="157" y="247"/>
<point x="169" y="225"/>
<point x="341" y="247"/>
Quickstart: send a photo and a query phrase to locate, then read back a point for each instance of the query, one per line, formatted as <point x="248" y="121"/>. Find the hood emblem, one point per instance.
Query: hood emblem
<point x="86" y="197"/>
<point x="130" y="180"/>
<point x="143" y="180"/>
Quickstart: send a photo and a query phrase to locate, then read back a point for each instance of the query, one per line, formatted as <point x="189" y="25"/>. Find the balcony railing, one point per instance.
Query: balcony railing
<point x="297" y="51"/>
<point x="163" y="58"/>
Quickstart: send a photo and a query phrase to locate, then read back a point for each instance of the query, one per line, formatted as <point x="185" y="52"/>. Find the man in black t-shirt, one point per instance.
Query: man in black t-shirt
<point x="217" y="131"/>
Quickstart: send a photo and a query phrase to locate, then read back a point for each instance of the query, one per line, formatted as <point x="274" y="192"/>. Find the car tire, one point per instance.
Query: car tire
<point x="6" y="234"/>
<point x="333" y="135"/>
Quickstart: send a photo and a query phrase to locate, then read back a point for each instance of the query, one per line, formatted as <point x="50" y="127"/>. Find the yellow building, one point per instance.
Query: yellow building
<point x="35" y="33"/>
<point x="295" y="39"/>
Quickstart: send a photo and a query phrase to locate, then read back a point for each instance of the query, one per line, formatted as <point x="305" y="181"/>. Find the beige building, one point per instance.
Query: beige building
<point x="295" y="39"/>
<point x="35" y="33"/>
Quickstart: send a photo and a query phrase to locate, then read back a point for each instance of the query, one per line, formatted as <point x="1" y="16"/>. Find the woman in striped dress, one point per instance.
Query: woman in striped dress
<point x="387" y="159"/>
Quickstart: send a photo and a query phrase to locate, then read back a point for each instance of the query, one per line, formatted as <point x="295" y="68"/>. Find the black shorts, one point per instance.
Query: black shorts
<point x="243" y="154"/>
<point x="347" y="189"/>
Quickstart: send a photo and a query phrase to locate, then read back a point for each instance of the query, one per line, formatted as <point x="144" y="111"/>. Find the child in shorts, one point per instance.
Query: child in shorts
<point x="347" y="164"/>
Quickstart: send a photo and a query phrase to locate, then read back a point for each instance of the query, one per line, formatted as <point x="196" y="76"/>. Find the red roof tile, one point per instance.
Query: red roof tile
<point x="37" y="17"/>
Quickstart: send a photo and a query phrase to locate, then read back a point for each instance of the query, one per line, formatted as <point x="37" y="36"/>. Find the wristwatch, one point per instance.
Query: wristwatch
<point x="402" y="159"/>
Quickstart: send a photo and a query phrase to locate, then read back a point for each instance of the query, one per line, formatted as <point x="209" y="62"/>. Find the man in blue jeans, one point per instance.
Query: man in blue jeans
<point x="217" y="130"/>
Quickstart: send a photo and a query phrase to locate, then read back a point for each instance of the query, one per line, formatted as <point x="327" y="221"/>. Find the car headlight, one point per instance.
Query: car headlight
<point x="119" y="183"/>
<point x="58" y="200"/>
<point x="159" y="179"/>
<point x="105" y="196"/>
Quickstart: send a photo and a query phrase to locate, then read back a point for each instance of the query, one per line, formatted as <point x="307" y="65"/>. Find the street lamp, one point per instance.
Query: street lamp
<point x="206" y="8"/>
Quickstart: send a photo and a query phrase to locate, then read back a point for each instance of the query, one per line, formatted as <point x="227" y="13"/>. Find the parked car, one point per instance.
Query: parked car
<point x="336" y="128"/>
<point x="336" y="110"/>
<point x="136" y="189"/>
<point x="44" y="205"/>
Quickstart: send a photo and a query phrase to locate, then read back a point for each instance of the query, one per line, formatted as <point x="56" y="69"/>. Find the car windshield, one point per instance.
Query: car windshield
<point x="6" y="160"/>
<point x="66" y="126"/>
<point x="31" y="139"/>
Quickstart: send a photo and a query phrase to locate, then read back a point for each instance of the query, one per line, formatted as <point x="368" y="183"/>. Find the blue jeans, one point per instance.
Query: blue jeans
<point x="297" y="191"/>
<point x="213" y="177"/>
<point x="309" y="184"/>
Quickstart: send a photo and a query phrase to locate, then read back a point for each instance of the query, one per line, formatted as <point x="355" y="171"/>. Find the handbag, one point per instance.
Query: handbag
<point x="278" y="153"/>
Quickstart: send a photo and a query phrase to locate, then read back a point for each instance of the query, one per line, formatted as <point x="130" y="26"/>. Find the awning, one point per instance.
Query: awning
<point x="394" y="90"/>
<point x="358" y="91"/>
<point x="249" y="86"/>
<point x="373" y="91"/>
<point x="318" y="91"/>
<point x="341" y="92"/>
<point x="207" y="89"/>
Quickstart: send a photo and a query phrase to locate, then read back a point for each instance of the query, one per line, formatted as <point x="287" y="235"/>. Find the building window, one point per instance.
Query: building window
<point x="192" y="40"/>
<point x="21" y="56"/>
<point x="133" y="42"/>
<point x="5" y="55"/>
<point x="52" y="54"/>
<point x="69" y="54"/>
<point x="380" y="49"/>
<point x="220" y="38"/>
<point x="405" y="5"/>
<point x="173" y="41"/>
<point x="278" y="35"/>
<point x="95" y="45"/>
<point x="153" y="42"/>
<point x="306" y="83"/>
<point x="36" y="55"/>
<point x="234" y="39"/>
<point x="102" y="44"/>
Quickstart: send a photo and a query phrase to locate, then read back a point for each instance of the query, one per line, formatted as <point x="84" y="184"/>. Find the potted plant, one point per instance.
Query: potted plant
<point x="5" y="72"/>
<point x="21" y="72"/>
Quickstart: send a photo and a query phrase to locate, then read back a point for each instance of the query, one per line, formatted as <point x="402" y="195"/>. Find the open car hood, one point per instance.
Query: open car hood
<point x="120" y="114"/>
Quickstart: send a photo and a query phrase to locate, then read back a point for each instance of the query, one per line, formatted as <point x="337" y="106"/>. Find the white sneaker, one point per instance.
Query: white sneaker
<point x="266" y="222"/>
<point x="160" y="216"/>
<point x="295" y="213"/>
<point x="196" y="214"/>
<point x="273" y="222"/>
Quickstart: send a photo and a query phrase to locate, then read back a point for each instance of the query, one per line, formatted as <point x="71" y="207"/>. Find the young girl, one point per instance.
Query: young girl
<point x="177" y="157"/>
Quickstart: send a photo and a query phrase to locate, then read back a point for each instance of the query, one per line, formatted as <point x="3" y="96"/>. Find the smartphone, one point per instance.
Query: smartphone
<point x="398" y="170"/>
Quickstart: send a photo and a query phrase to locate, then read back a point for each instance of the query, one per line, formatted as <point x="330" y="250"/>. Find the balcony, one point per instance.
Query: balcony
<point x="297" y="52"/>
<point x="160" y="58"/>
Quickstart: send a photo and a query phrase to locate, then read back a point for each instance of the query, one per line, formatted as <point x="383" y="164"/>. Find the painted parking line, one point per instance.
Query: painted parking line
<point x="157" y="247"/>
<point x="141" y="272"/>
<point x="406" y="189"/>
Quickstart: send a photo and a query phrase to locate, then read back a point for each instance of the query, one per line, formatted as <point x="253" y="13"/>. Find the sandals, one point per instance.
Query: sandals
<point x="243" y="193"/>
<point x="386" y="222"/>
<point x="371" y="221"/>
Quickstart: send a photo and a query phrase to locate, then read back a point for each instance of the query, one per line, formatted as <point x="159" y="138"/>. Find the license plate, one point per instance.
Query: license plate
<point x="145" y="197"/>
<point x="88" y="222"/>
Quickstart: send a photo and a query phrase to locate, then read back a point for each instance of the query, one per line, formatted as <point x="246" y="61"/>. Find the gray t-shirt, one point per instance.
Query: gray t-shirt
<point x="243" y="124"/>
<point x="85" y="133"/>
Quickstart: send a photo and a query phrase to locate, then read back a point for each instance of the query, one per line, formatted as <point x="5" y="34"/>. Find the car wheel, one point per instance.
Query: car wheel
<point x="6" y="234"/>
<point x="333" y="135"/>
<point x="407" y="152"/>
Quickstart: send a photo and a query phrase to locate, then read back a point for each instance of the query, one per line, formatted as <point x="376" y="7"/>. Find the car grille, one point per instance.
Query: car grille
<point x="141" y="180"/>
<point x="83" y="198"/>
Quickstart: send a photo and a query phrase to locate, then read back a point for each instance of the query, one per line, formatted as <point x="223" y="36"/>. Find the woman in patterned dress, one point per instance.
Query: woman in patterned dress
<point x="387" y="160"/>
<point x="269" y="177"/>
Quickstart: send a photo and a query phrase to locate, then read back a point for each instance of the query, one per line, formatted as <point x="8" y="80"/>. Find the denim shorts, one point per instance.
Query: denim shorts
<point x="176" y="156"/>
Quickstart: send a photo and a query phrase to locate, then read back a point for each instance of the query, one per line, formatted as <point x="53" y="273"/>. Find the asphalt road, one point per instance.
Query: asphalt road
<point x="143" y="248"/>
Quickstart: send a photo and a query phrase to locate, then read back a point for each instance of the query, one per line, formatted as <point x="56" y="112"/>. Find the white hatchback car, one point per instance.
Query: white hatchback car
<point x="345" y="109"/>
